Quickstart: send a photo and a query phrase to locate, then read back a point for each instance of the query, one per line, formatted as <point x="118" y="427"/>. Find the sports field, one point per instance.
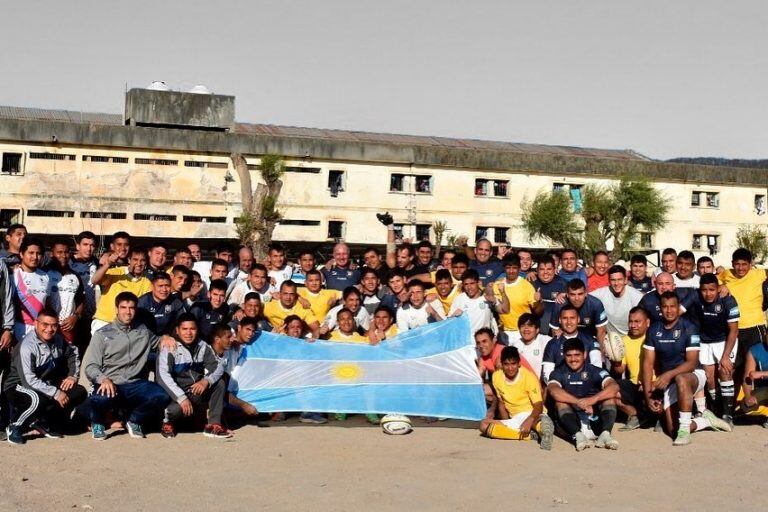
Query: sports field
<point x="353" y="466"/>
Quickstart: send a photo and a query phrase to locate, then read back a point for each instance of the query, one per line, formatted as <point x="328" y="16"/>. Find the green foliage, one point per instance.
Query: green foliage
<point x="272" y="168"/>
<point x="269" y="211"/>
<point x="611" y="215"/>
<point x="755" y="239"/>
<point x="246" y="225"/>
<point x="439" y="227"/>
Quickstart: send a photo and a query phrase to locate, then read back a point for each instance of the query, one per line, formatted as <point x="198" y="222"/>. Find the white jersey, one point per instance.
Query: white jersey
<point x="280" y="275"/>
<point x="31" y="291"/>
<point x="479" y="312"/>
<point x="237" y="296"/>
<point x="409" y="317"/>
<point x="691" y="282"/>
<point x="204" y="269"/>
<point x="362" y="318"/>
<point x="64" y="290"/>
<point x="85" y="271"/>
<point x="617" y="308"/>
<point x="533" y="352"/>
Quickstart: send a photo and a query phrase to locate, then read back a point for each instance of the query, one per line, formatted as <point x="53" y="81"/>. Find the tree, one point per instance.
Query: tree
<point x="439" y="227"/>
<point x="755" y="239"/>
<point x="260" y="214"/>
<point x="611" y="216"/>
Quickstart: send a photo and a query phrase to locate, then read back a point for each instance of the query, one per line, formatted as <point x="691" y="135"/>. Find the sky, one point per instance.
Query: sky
<point x="666" y="79"/>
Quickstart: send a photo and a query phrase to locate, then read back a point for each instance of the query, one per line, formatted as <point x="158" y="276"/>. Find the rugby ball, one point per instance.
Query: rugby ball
<point x="396" y="424"/>
<point x="613" y="346"/>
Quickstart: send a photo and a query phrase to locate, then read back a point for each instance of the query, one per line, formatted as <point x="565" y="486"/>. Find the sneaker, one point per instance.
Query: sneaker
<point x="15" y="436"/>
<point x="765" y="425"/>
<point x="168" y="431"/>
<point x="278" y="416"/>
<point x="729" y="420"/>
<point x="217" y="431"/>
<point x="313" y="418"/>
<point x="633" y="422"/>
<point x="373" y="419"/>
<point x="582" y="443"/>
<point x="3" y="433"/>
<point x="98" y="432"/>
<point x="547" y="428"/>
<point x="45" y="430"/>
<point x="135" y="430"/>
<point x="716" y="423"/>
<point x="658" y="427"/>
<point x="683" y="438"/>
<point x="605" y="440"/>
<point x="340" y="416"/>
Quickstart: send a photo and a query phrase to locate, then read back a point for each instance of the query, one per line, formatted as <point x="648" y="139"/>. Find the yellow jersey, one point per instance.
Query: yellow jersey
<point x="116" y="282"/>
<point x="521" y="300"/>
<point x="276" y="313"/>
<point x="319" y="302"/>
<point x="337" y="335"/>
<point x="748" y="292"/>
<point x="520" y="394"/>
<point x="633" y="349"/>
<point x="447" y="301"/>
<point x="433" y="278"/>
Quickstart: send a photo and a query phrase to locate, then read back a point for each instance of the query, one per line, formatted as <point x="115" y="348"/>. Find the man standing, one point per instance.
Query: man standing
<point x="651" y="302"/>
<point x="67" y="296"/>
<point x="685" y="277"/>
<point x="638" y="274"/>
<point x="14" y="236"/>
<point x="517" y="295"/>
<point x="213" y="311"/>
<point x="257" y="282"/>
<point x="570" y="267"/>
<point x="617" y="299"/>
<point x="159" y="309"/>
<point x="276" y="311"/>
<point x="279" y="269"/>
<point x="84" y="264"/>
<point x="599" y="278"/>
<point x="156" y="257"/>
<point x="476" y="305"/>
<point x="127" y="279"/>
<point x="417" y="311"/>
<point x="592" y="317"/>
<point x="550" y="287"/>
<point x="554" y="353"/>
<point x="339" y="272"/>
<point x="488" y="268"/>
<point x="627" y="371"/>
<point x="32" y="287"/>
<point x="116" y="364"/>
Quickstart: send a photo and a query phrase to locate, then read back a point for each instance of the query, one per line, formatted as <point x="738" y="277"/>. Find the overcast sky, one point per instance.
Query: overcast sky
<point x="665" y="78"/>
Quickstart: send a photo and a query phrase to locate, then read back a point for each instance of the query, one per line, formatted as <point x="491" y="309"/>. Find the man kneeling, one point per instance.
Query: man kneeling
<point x="191" y="374"/>
<point x="585" y="398"/>
<point x="519" y="403"/>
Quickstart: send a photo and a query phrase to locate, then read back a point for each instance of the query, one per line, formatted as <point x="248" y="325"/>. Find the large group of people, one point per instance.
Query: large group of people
<point x="137" y="340"/>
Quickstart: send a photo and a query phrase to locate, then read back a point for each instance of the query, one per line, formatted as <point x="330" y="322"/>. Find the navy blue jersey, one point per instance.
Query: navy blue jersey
<point x="339" y="278"/>
<point x="672" y="344"/>
<point x="207" y="317"/>
<point x="651" y="302"/>
<point x="553" y="352"/>
<point x="159" y="317"/>
<point x="584" y="382"/>
<point x="579" y="274"/>
<point x="760" y="354"/>
<point x="549" y="292"/>
<point x="591" y="316"/>
<point x="489" y="271"/>
<point x="713" y="318"/>
<point x="644" y="285"/>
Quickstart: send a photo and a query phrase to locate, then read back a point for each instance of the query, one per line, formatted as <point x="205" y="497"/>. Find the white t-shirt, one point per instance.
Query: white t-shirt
<point x="617" y="308"/>
<point x="85" y="271"/>
<point x="64" y="290"/>
<point x="283" y="274"/>
<point x="533" y="352"/>
<point x="362" y="318"/>
<point x="479" y="312"/>
<point x="30" y="294"/>
<point x="691" y="282"/>
<point x="244" y="288"/>
<point x="409" y="317"/>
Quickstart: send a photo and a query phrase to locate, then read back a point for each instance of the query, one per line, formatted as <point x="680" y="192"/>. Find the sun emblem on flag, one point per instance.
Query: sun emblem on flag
<point x="347" y="371"/>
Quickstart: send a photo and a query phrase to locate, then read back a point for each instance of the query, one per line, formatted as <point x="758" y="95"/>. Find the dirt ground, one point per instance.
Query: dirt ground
<point x="353" y="466"/>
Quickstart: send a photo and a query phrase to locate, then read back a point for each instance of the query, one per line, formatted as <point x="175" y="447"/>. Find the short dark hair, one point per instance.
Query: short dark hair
<point x="443" y="274"/>
<point x="29" y="241"/>
<point x="183" y="250"/>
<point x="218" y="330"/>
<point x="708" y="279"/>
<point x="292" y="318"/>
<point x="638" y="258"/>
<point x="528" y="319"/>
<point x="350" y="290"/>
<point x="223" y="248"/>
<point x="248" y="320"/>
<point x="275" y="246"/>
<point x="186" y="317"/>
<point x="382" y="307"/>
<point x="460" y="258"/>
<point x="370" y="249"/>
<point x="306" y="251"/>
<point x="259" y="266"/>
<point x="218" y="284"/>
<point x="156" y="244"/>
<point x="669" y="295"/>
<point x="573" y="344"/>
<point x="396" y="272"/>
<point x="364" y="272"/>
<point x="251" y="296"/>
<point x="704" y="259"/>
<point x="638" y="309"/>
<point x="180" y="268"/>
<point x="617" y="269"/>
<point x="510" y="354"/>
<point x="415" y="283"/>
<point x="686" y="256"/>
<point x="287" y="284"/>
<point x="600" y="253"/>
<point x="137" y="250"/>
<point x="668" y="251"/>
<point x="126" y="297"/>
<point x="511" y="259"/>
<point x="13" y="227"/>
<point x="470" y="273"/>
<point x="120" y="234"/>
<point x="575" y="284"/>
<point x="218" y="262"/>
<point x="50" y="312"/>
<point x="484" y="330"/>
<point x="547" y="259"/>
<point x="344" y="310"/>
<point x="83" y="235"/>
<point x="742" y="254"/>
<point x="60" y="241"/>
<point x="314" y="272"/>
<point x="160" y="276"/>
<point x="568" y="307"/>
<point x="424" y="243"/>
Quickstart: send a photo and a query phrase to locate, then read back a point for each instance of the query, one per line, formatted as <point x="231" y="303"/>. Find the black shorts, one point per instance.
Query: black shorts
<point x="630" y="392"/>
<point x="748" y="338"/>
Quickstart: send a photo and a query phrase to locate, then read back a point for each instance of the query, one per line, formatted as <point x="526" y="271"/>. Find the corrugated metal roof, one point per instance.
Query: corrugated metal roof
<point x="71" y="116"/>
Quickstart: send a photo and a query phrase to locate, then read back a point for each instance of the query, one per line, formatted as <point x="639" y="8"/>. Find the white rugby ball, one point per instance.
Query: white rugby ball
<point x="396" y="424"/>
<point x="614" y="347"/>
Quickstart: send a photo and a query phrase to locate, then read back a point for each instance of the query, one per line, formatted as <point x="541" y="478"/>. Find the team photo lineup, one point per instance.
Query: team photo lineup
<point x="145" y="339"/>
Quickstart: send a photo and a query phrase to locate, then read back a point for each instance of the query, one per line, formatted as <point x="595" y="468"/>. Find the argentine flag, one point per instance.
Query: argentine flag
<point x="429" y="371"/>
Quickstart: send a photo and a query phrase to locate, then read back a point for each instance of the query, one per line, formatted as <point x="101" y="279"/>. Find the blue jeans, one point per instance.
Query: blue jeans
<point x="142" y="401"/>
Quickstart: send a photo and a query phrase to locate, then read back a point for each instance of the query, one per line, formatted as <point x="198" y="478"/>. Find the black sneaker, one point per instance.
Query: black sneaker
<point x="46" y="431"/>
<point x="15" y="436"/>
<point x="4" y="434"/>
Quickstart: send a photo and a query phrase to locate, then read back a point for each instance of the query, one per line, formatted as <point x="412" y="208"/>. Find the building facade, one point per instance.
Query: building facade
<point x="163" y="169"/>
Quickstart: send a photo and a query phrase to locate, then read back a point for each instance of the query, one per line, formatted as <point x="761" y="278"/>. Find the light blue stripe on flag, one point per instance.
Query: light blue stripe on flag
<point x="429" y="371"/>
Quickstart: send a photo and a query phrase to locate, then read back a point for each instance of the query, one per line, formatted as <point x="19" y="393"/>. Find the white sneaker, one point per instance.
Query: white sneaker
<point x="606" y="441"/>
<point x="582" y="443"/>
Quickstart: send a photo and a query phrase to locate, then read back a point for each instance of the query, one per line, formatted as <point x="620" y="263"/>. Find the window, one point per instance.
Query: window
<point x="500" y="235"/>
<point x="491" y="188"/>
<point x="157" y="217"/>
<point x="11" y="163"/>
<point x="709" y="242"/>
<point x="209" y="165"/>
<point x="336" y="182"/>
<point x="646" y="240"/>
<point x="156" y="161"/>
<point x="299" y="222"/>
<point x="709" y="199"/>
<point x="576" y="199"/>
<point x="558" y="187"/>
<point x="51" y="156"/>
<point x="105" y="159"/>
<point x="713" y="199"/>
<point x="211" y="220"/>
<point x="103" y="215"/>
<point x="696" y="198"/>
<point x="422" y="231"/>
<point x="481" y="232"/>
<point x="335" y="229"/>
<point x="424" y="184"/>
<point x="50" y="213"/>
<point x="398" y="228"/>
<point x="8" y="217"/>
<point x="312" y="170"/>
<point x="397" y="183"/>
<point x="760" y="204"/>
